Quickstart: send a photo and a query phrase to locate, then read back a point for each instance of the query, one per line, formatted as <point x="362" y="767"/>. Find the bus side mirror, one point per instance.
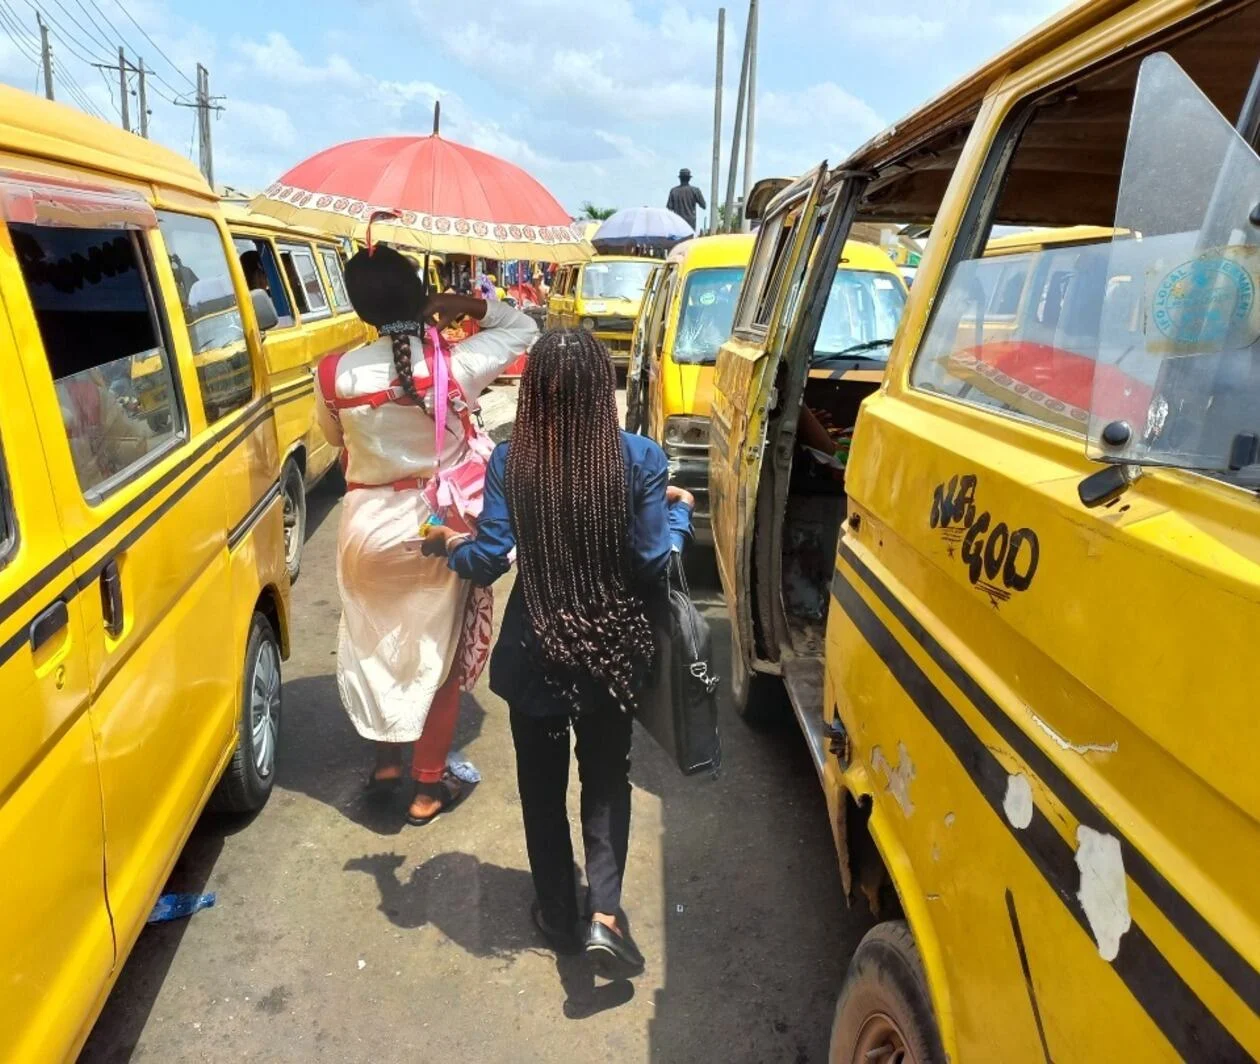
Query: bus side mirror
<point x="264" y="310"/>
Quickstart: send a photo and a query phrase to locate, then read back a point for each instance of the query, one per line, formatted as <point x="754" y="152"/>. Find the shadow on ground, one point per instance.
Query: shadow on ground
<point x="118" y="1029"/>
<point x="479" y="907"/>
<point x="325" y="758"/>
<point x="757" y="932"/>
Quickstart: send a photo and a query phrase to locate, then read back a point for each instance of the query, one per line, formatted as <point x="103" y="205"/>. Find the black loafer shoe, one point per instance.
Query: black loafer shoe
<point x="567" y="942"/>
<point x="616" y="956"/>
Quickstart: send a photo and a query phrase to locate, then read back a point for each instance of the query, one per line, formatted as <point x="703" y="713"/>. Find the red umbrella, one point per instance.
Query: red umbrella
<point x="447" y="197"/>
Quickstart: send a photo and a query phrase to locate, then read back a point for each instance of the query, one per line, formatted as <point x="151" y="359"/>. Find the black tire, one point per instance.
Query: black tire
<point x="247" y="782"/>
<point x="885" y="1001"/>
<point x="634" y="402"/>
<point x="760" y="699"/>
<point x="293" y="492"/>
<point x="335" y="479"/>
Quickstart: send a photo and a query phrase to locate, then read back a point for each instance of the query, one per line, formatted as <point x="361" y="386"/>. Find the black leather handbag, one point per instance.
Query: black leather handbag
<point x="679" y="709"/>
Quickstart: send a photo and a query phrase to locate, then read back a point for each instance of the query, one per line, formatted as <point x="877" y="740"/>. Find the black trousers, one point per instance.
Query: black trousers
<point x="542" y="773"/>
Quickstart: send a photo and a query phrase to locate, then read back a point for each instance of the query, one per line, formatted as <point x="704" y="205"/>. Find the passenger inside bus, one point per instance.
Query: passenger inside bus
<point x="261" y="272"/>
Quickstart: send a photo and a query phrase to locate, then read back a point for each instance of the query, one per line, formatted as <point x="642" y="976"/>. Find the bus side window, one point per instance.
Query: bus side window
<point x="92" y="294"/>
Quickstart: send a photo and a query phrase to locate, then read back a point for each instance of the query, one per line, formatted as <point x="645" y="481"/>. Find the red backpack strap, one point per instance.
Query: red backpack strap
<point x="326" y="372"/>
<point x="326" y="376"/>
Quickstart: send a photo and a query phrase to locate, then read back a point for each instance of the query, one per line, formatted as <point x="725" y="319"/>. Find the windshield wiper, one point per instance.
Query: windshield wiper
<point x="870" y="345"/>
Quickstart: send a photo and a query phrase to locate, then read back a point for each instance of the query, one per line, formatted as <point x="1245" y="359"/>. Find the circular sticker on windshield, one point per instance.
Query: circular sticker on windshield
<point x="1203" y="302"/>
<point x="707" y="299"/>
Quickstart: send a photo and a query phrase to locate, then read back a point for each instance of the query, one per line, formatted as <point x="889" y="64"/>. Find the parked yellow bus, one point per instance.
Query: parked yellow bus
<point x="143" y="590"/>
<point x="1018" y="671"/>
<point x="301" y="270"/>
<point x="602" y="296"/>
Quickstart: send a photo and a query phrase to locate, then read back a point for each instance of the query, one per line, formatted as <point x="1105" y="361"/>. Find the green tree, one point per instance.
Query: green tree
<point x="732" y="223"/>
<point x="597" y="214"/>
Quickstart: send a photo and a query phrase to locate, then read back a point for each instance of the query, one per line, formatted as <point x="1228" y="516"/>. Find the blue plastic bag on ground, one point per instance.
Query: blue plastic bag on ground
<point x="178" y="906"/>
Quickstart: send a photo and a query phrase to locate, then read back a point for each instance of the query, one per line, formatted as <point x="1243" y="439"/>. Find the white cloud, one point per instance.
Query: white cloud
<point x="895" y="28"/>
<point x="824" y="106"/>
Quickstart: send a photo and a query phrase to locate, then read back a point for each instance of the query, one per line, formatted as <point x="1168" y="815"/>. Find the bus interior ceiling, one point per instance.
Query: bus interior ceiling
<point x="1067" y="168"/>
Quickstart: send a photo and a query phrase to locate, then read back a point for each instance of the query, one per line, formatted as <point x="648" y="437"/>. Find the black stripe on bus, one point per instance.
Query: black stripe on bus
<point x="1187" y="1023"/>
<point x="41" y="579"/>
<point x="246" y="524"/>
<point x="280" y="397"/>
<point x="1228" y="963"/>
<point x="106" y="528"/>
<point x="91" y="575"/>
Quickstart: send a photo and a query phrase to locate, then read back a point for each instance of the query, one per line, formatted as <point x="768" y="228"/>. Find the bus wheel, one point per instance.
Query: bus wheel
<point x="247" y="782"/>
<point x="293" y="491"/>
<point x="759" y="698"/>
<point x="884" y="1012"/>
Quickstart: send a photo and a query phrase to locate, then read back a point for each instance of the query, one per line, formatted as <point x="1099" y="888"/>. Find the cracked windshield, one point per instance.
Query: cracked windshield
<point x="661" y="533"/>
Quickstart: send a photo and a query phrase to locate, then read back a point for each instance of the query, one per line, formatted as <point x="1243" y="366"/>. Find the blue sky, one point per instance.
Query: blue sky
<point x="602" y="100"/>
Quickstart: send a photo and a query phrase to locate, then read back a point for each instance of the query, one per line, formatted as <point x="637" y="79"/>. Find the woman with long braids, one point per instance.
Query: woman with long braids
<point x="402" y="612"/>
<point x="587" y="509"/>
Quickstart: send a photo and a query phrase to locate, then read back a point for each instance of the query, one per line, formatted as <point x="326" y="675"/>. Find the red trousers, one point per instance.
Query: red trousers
<point x="428" y="758"/>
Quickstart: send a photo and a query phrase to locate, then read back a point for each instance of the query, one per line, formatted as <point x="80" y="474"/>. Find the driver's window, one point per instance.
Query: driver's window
<point x="1085" y="331"/>
<point x="1019" y="334"/>
<point x="660" y="311"/>
<point x="774" y="240"/>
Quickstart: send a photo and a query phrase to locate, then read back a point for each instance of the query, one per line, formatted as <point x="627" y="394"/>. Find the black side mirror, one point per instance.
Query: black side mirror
<point x="264" y="310"/>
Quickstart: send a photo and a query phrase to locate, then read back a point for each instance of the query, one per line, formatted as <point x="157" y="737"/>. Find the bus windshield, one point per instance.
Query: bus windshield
<point x="708" y="309"/>
<point x="863" y="309"/>
<point x="615" y="280"/>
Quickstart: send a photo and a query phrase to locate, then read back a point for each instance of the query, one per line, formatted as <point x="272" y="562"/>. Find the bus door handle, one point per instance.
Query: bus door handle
<point x="111" y="599"/>
<point x="48" y="624"/>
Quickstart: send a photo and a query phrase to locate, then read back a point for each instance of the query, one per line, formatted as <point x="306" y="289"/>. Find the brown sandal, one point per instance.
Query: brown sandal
<point x="449" y="788"/>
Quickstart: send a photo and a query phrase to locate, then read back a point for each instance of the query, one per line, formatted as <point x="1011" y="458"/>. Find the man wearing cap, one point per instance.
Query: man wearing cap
<point x="685" y="197"/>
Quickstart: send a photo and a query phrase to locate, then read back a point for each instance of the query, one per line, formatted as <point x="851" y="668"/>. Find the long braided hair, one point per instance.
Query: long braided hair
<point x="568" y="503"/>
<point x="401" y="342"/>
<point x="386" y="291"/>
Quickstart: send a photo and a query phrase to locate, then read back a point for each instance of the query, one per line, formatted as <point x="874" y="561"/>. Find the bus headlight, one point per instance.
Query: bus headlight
<point x="588" y="324"/>
<point x="686" y="432"/>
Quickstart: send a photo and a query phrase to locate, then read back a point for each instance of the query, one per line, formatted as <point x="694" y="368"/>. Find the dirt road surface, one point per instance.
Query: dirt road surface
<point x="343" y="935"/>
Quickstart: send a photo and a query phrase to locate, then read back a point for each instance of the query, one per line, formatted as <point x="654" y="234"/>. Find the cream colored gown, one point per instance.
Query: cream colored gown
<point x="401" y="612"/>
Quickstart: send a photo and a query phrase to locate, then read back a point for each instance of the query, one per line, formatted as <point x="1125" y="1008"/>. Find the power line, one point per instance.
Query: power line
<point x="109" y="87"/>
<point x="18" y="33"/>
<point x="67" y="81"/>
<point x="94" y="33"/>
<point x="67" y="38"/>
<point x="14" y="30"/>
<point x="155" y="44"/>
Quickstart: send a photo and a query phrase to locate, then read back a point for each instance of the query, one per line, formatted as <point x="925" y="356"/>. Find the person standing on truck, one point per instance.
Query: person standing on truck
<point x="586" y="508"/>
<point x="684" y="198"/>
<point x="402" y="613"/>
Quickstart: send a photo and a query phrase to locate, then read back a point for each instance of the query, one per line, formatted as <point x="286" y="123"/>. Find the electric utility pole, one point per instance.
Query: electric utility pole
<point x="739" y="128"/>
<point x="751" y="132"/>
<point x="124" y="103"/>
<point x="45" y="55"/>
<point x="142" y="99"/>
<point x="714" y="212"/>
<point x="205" y="104"/>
